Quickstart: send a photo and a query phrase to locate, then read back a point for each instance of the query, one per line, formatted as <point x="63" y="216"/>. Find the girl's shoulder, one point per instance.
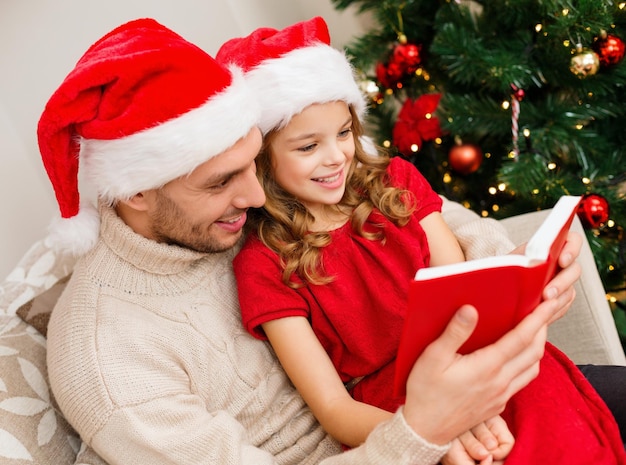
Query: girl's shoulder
<point x="405" y="175"/>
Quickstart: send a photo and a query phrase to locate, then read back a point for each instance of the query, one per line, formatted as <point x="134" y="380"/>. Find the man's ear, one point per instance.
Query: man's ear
<point x="140" y="202"/>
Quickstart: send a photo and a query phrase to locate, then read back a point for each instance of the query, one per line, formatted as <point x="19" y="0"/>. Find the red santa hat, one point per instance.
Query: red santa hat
<point x="142" y="107"/>
<point x="293" y="68"/>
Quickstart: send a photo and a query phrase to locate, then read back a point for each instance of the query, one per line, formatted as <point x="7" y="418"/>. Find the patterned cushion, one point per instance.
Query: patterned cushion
<point x="39" y="270"/>
<point x="31" y="428"/>
<point x="36" y="311"/>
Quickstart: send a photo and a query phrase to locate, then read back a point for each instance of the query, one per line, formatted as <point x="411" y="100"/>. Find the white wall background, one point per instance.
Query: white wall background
<point x="40" y="41"/>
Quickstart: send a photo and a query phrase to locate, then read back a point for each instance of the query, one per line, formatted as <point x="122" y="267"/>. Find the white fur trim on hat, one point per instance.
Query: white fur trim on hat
<point x="288" y="84"/>
<point x="75" y="235"/>
<point x="148" y="159"/>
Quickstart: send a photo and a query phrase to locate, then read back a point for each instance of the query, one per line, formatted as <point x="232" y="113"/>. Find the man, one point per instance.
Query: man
<point x="147" y="357"/>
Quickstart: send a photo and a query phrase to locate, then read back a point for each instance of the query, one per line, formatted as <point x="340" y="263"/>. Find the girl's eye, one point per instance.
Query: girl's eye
<point x="345" y="132"/>
<point x="307" y="148"/>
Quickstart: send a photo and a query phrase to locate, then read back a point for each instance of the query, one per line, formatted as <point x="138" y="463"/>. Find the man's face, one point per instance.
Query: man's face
<point x="206" y="210"/>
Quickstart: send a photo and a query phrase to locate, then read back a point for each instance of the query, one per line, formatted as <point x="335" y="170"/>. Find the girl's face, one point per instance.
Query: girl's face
<point x="311" y="156"/>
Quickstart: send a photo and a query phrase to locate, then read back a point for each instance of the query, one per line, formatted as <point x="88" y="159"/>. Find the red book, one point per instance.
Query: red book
<point x="504" y="289"/>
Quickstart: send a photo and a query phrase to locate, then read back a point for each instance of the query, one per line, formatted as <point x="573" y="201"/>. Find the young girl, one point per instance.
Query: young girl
<point x="325" y="272"/>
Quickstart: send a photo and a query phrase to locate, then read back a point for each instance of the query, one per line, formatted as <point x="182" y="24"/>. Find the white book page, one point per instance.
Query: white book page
<point x="539" y="244"/>
<point x="536" y="252"/>
<point x="472" y="265"/>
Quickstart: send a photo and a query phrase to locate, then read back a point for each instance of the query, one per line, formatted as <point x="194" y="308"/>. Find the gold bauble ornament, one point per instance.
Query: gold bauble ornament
<point x="585" y="62"/>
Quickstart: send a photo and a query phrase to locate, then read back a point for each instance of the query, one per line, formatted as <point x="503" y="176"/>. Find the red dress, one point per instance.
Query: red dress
<point x="358" y="317"/>
<point x="358" y="320"/>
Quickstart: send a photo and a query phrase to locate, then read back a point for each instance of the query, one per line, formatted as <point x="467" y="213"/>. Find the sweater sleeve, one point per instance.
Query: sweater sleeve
<point x="478" y="237"/>
<point x="178" y="430"/>
<point x="392" y="442"/>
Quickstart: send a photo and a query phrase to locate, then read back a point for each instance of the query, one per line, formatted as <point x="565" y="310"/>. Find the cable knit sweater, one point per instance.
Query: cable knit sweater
<point x="149" y="362"/>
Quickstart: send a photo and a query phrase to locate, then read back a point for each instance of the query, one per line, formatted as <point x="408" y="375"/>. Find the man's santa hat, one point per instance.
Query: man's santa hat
<point x="142" y="107"/>
<point x="293" y="68"/>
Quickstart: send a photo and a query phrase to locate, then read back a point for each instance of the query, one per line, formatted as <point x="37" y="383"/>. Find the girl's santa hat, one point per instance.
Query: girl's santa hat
<point x="293" y="68"/>
<point x="141" y="107"/>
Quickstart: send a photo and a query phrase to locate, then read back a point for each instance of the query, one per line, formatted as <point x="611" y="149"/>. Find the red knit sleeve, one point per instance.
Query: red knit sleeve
<point x="405" y="175"/>
<point x="263" y="296"/>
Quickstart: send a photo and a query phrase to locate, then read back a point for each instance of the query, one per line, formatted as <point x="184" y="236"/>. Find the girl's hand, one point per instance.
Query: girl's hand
<point x="488" y="443"/>
<point x="458" y="455"/>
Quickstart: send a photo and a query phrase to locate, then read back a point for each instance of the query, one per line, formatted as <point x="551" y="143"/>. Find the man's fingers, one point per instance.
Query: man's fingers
<point x="566" y="299"/>
<point x="458" y="330"/>
<point x="564" y="280"/>
<point x="571" y="250"/>
<point x="523" y="335"/>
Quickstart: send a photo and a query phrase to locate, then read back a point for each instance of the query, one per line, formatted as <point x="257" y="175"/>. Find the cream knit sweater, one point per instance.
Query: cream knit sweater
<point x="149" y="362"/>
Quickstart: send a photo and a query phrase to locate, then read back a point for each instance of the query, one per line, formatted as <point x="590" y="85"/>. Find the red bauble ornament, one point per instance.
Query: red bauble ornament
<point x="518" y="94"/>
<point x="610" y="50"/>
<point x="465" y="158"/>
<point x="407" y="56"/>
<point x="593" y="210"/>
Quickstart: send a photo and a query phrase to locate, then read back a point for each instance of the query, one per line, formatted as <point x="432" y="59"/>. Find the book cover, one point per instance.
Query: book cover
<point x="504" y="289"/>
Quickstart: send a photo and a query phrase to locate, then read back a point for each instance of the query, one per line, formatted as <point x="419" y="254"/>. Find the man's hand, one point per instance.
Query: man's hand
<point x="561" y="287"/>
<point x="449" y="393"/>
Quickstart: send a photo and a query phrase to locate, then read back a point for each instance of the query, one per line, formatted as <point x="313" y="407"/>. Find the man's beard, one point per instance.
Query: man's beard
<point x="170" y="225"/>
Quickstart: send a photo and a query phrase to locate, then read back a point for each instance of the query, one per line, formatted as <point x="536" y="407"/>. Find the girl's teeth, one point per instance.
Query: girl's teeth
<point x="332" y="179"/>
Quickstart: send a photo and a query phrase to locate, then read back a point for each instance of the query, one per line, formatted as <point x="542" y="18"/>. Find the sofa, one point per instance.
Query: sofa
<point x="32" y="429"/>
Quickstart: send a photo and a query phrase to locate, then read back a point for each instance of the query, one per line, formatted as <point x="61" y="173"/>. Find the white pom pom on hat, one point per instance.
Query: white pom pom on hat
<point x="142" y="107"/>
<point x="293" y="68"/>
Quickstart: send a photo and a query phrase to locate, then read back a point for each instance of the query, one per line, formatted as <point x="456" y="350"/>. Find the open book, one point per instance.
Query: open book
<point x="504" y="289"/>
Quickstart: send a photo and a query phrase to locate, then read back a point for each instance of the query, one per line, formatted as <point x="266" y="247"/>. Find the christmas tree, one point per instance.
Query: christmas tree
<point x="507" y="105"/>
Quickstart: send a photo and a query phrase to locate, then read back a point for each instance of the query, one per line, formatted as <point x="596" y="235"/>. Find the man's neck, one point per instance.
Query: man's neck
<point x="135" y="219"/>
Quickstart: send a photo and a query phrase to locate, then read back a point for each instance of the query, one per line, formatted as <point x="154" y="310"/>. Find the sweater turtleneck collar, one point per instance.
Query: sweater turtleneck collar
<point x="135" y="253"/>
